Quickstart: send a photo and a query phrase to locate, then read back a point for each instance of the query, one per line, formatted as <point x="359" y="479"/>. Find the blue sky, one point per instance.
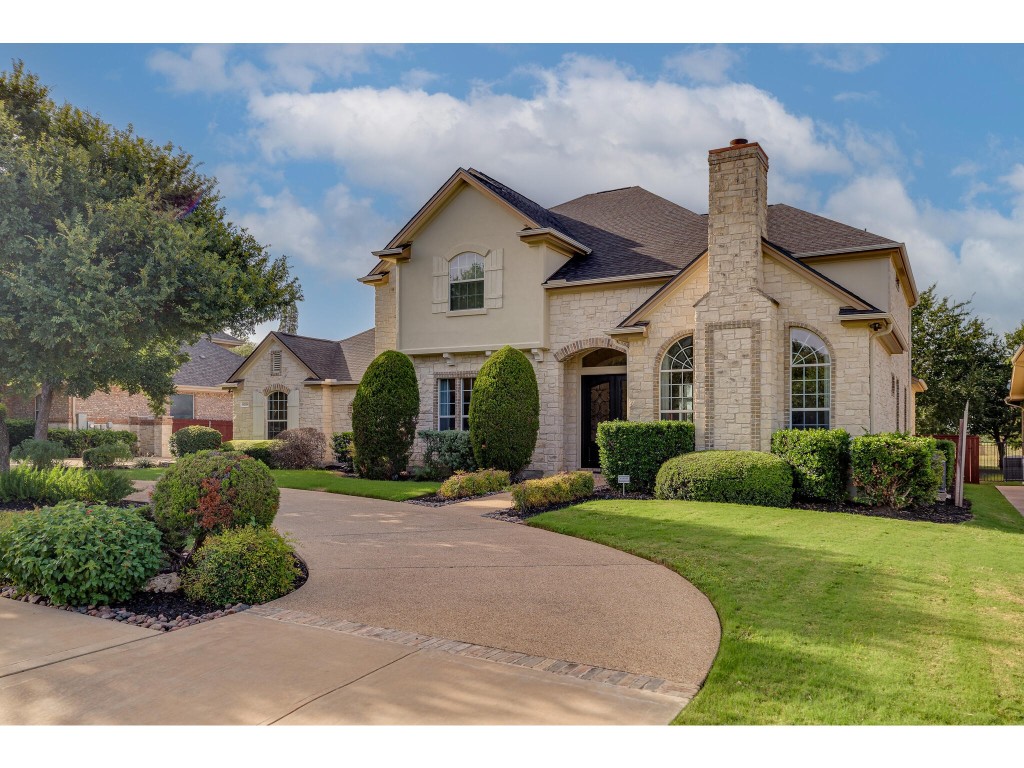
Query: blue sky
<point x="324" y="151"/>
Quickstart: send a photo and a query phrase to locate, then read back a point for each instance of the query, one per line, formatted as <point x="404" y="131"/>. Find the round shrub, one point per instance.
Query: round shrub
<point x="211" y="491"/>
<point x="244" y="565"/>
<point x="193" y="439"/>
<point x="40" y="454"/>
<point x="257" y="449"/>
<point x="299" y="449"/>
<point x="504" y="412"/>
<point x="737" y="477"/>
<point x="105" y="456"/>
<point x="80" y="554"/>
<point x="384" y="413"/>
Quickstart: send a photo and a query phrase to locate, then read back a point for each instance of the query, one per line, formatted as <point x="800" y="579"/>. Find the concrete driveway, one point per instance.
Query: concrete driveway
<point x="411" y="615"/>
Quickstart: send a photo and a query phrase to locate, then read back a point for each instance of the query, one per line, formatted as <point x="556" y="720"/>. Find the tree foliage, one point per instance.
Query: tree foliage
<point x="962" y="360"/>
<point x="504" y="412"/>
<point x="114" y="253"/>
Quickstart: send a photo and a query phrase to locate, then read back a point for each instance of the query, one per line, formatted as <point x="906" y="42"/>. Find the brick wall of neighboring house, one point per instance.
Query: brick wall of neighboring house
<point x="117" y="406"/>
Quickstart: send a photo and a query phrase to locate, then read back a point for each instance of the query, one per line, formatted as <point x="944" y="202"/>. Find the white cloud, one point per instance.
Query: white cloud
<point x="703" y="64"/>
<point x="967" y="252"/>
<point x="866" y="96"/>
<point x="590" y="125"/>
<point x="1015" y="178"/>
<point x="336" y="236"/>
<point x="416" y="79"/>
<point x="249" y="68"/>
<point x="846" y="58"/>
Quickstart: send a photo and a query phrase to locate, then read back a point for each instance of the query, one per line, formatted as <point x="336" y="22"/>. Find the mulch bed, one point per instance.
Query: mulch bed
<point x="28" y="506"/>
<point x="433" y="500"/>
<point x="512" y="516"/>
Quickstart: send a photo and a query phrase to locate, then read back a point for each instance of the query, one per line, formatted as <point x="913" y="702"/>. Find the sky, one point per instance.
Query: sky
<point x="324" y="151"/>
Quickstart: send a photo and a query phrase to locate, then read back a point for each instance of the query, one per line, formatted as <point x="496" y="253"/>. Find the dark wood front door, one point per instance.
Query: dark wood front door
<point x="604" y="399"/>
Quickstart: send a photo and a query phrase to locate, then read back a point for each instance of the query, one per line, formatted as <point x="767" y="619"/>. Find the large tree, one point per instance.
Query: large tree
<point x="961" y="360"/>
<point x="114" y="253"/>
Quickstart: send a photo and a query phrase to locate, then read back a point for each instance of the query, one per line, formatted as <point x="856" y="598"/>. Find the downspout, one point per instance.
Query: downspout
<point x="877" y="331"/>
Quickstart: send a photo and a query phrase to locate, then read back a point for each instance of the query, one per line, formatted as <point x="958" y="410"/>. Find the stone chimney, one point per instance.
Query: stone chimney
<point x="737" y="216"/>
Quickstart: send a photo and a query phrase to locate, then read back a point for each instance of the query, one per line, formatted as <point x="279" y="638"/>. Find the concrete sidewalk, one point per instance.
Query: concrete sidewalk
<point x="411" y="614"/>
<point x="1014" y="494"/>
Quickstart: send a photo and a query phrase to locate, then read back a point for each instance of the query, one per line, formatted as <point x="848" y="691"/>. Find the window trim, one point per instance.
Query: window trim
<point x="458" y="378"/>
<point x="282" y="397"/>
<point x="830" y="367"/>
<point x="482" y="280"/>
<point x="663" y="356"/>
<point x="452" y="404"/>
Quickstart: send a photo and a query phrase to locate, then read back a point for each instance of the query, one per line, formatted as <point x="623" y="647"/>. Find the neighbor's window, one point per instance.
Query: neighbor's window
<point x="467" y="394"/>
<point x="466" y="282"/>
<point x="677" y="381"/>
<point x="810" y="381"/>
<point x="277" y="414"/>
<point x="446" y="404"/>
<point x="182" y="407"/>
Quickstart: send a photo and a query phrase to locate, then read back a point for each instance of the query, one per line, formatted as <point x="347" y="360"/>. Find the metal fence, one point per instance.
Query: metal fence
<point x="1011" y="467"/>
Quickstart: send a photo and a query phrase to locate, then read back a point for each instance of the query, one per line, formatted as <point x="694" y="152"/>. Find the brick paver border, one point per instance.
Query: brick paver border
<point x="681" y="692"/>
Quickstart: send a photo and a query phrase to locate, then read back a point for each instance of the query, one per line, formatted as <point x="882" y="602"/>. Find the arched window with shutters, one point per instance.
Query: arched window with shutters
<point x="277" y="414"/>
<point x="810" y="381"/>
<point x="466" y="282"/>
<point x="677" y="381"/>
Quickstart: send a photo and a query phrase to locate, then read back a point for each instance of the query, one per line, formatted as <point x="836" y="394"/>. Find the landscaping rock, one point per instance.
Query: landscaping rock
<point x="164" y="582"/>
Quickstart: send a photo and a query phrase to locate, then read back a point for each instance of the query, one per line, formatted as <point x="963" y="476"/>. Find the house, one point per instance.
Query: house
<point x="199" y="399"/>
<point x="745" y="320"/>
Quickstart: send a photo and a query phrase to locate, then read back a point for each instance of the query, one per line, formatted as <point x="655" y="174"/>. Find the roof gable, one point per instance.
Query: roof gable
<point x="344" y="360"/>
<point x="208" y="365"/>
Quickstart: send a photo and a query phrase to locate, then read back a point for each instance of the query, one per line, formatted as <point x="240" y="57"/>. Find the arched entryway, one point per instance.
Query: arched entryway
<point x="602" y="397"/>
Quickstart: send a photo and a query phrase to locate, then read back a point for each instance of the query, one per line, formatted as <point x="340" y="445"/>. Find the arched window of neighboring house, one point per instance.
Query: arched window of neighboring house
<point x="810" y="381"/>
<point x="466" y="282"/>
<point x="677" y="381"/>
<point x="277" y="414"/>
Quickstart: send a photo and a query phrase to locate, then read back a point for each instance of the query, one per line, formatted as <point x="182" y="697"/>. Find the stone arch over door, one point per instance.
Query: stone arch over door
<point x="585" y="345"/>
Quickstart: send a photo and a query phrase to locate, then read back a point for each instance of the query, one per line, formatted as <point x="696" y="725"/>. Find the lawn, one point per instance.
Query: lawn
<point x="836" y="618"/>
<point x="322" y="480"/>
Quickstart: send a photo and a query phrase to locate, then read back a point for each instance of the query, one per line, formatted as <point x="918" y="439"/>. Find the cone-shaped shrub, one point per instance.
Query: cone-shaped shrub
<point x="504" y="412"/>
<point x="384" y="414"/>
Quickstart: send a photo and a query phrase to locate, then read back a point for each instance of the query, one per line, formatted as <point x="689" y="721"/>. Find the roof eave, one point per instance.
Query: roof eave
<point x="553" y="237"/>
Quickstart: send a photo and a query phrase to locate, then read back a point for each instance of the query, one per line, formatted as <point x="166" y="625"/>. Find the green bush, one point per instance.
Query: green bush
<point x="639" y="448"/>
<point x="737" y="477"/>
<point x="948" y="449"/>
<point x="105" y="456"/>
<point x="341" y="444"/>
<point x="41" y="454"/>
<point x="244" y="565"/>
<point x="19" y="430"/>
<point x="446" y="452"/>
<point x="211" y="491"/>
<point x="194" y="439"/>
<point x="464" y="484"/>
<point x="77" y="441"/>
<point x="384" y="413"/>
<point x="893" y="469"/>
<point x="302" y="448"/>
<point x="820" y="459"/>
<point x="564" y="488"/>
<point x="262" y="450"/>
<point x="504" y="412"/>
<point x="79" y="554"/>
<point x="51" y="486"/>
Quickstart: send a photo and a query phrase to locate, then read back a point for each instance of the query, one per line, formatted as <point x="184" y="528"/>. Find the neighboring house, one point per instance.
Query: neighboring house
<point x="746" y="320"/>
<point x="294" y="381"/>
<point x="199" y="398"/>
<point x="1017" y="378"/>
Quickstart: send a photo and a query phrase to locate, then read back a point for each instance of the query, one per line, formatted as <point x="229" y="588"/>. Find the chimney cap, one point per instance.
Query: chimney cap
<point x="738" y="142"/>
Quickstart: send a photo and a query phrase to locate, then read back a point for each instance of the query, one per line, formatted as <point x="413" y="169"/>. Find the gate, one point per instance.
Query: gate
<point x="993" y="470"/>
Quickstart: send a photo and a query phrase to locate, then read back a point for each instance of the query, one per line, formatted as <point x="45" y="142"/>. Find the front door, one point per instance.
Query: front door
<point x="604" y="399"/>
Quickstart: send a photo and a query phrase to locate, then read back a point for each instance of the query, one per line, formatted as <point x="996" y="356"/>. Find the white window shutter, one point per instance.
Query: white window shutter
<point x="440" y="300"/>
<point x="293" y="409"/>
<point x="492" y="278"/>
<point x="259" y="417"/>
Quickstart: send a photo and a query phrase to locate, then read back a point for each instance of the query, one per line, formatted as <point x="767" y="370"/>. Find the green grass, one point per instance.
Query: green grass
<point x="322" y="480"/>
<point x="836" y="618"/>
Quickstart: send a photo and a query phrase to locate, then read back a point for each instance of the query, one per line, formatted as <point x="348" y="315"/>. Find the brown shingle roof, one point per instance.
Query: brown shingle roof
<point x="800" y="232"/>
<point x="209" y="365"/>
<point x="344" y="360"/>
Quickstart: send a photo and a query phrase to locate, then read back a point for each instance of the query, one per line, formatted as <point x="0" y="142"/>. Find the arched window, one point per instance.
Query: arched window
<point x="677" y="381"/>
<point x="277" y="414"/>
<point x="466" y="282"/>
<point x="810" y="381"/>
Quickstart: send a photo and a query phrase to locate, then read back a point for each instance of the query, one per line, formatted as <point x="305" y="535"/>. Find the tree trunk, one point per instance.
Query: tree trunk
<point x="5" y="442"/>
<point x="43" y="420"/>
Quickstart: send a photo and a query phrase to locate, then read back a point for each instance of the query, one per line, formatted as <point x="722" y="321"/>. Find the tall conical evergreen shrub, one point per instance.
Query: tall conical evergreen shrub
<point x="504" y="412"/>
<point x="384" y="413"/>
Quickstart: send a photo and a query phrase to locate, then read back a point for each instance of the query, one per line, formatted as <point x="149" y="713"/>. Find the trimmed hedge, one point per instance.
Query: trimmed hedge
<point x="639" y="448"/>
<point x="301" y="448"/>
<point x="19" y="430"/>
<point x="105" y="456"/>
<point x="341" y="444"/>
<point x="244" y="565"/>
<point x="52" y="486"/>
<point x="262" y="450"/>
<point x="504" y="412"/>
<point x="80" y="554"/>
<point x="211" y="491"/>
<point x="893" y="469"/>
<point x="564" y="488"/>
<point x="464" y="484"/>
<point x="384" y="413"/>
<point x="948" y="449"/>
<point x="820" y="459"/>
<point x="194" y="439"/>
<point x="737" y="477"/>
<point x="446" y="452"/>
<point x="77" y="441"/>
